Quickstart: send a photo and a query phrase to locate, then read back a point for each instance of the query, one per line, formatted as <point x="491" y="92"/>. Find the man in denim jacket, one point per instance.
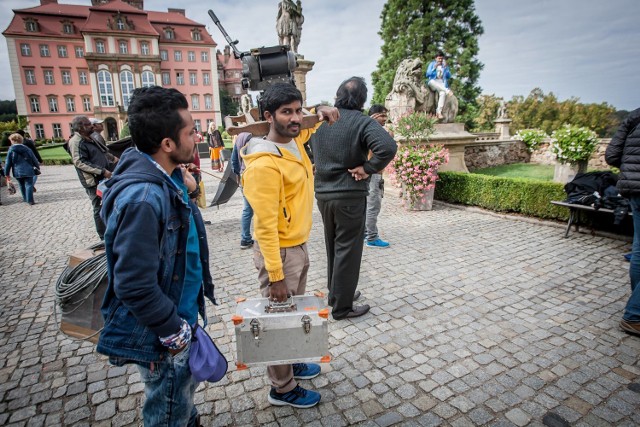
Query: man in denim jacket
<point x="157" y="257"/>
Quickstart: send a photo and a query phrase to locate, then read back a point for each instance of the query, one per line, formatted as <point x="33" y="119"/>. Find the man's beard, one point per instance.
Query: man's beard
<point x="285" y="131"/>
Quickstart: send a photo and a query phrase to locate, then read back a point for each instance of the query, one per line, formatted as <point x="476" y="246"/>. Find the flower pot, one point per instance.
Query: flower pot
<point x="422" y="201"/>
<point x="565" y="172"/>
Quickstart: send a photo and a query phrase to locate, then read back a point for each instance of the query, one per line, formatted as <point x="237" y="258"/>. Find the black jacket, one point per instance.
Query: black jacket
<point x="32" y="146"/>
<point x="624" y="152"/>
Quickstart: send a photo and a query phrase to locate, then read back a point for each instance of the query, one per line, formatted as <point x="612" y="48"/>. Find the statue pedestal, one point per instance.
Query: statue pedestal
<point x="502" y="128"/>
<point x="454" y="138"/>
<point x="300" y="74"/>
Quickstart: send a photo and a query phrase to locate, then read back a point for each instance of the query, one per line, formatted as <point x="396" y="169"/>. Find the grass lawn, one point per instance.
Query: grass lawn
<point x="520" y="170"/>
<point x="54" y="153"/>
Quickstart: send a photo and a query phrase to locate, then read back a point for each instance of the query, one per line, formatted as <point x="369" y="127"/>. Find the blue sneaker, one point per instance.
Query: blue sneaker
<point x="378" y="243"/>
<point x="298" y="398"/>
<point x="305" y="371"/>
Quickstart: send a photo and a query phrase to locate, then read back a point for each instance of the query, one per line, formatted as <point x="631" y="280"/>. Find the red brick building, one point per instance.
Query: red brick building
<point x="230" y="74"/>
<point x="68" y="60"/>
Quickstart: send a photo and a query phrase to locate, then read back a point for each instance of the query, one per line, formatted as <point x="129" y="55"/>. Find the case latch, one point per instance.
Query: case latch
<point x="255" y="328"/>
<point x="306" y="324"/>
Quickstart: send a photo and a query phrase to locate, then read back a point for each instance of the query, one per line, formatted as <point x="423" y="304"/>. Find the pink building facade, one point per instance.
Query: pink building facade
<point x="68" y="60"/>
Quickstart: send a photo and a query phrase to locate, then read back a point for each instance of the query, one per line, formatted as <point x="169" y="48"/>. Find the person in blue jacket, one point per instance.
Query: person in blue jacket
<point x="21" y="160"/>
<point x="438" y="75"/>
<point x="157" y="256"/>
<point x="237" y="167"/>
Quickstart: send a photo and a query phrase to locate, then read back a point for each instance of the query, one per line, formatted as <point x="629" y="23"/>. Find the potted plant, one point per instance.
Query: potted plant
<point x="532" y="138"/>
<point x="572" y="146"/>
<point x="415" y="167"/>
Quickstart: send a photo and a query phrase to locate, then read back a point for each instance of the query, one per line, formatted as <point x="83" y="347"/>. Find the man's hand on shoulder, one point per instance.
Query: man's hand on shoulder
<point x="278" y="291"/>
<point x="327" y="113"/>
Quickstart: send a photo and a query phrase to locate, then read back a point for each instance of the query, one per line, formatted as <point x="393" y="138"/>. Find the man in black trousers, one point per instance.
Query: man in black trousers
<point x="341" y="186"/>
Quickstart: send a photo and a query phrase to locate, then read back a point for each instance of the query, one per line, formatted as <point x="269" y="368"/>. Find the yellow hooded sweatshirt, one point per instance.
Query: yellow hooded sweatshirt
<point x="279" y="188"/>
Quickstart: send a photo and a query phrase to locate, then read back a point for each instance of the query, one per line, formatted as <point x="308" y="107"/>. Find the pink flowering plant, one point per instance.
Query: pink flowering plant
<point x="415" y="169"/>
<point x="414" y="126"/>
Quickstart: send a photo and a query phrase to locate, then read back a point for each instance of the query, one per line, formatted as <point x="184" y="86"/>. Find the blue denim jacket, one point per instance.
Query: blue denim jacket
<point x="147" y="225"/>
<point x="21" y="159"/>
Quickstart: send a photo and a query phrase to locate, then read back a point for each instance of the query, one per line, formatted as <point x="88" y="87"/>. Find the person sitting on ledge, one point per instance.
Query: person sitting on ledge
<point x="438" y="74"/>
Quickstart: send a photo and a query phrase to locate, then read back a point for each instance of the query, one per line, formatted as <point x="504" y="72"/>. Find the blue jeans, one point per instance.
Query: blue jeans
<point x="169" y="388"/>
<point x="632" y="310"/>
<point x="26" y="188"/>
<point x="245" y="220"/>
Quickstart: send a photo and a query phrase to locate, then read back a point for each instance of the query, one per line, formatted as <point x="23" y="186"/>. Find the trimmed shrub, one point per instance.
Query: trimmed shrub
<point x="517" y="195"/>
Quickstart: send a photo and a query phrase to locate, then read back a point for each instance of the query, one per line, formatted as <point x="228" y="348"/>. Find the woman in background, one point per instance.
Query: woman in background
<point x="216" y="145"/>
<point x="21" y="160"/>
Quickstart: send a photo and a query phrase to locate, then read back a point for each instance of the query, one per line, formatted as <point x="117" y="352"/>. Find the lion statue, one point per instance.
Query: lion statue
<point x="410" y="93"/>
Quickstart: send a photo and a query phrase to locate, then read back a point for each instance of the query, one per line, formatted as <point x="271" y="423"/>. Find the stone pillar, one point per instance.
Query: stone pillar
<point x="502" y="128"/>
<point x="300" y="74"/>
<point x="454" y="137"/>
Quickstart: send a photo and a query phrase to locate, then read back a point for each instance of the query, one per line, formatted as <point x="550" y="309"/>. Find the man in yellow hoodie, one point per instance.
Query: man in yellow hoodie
<point x="278" y="183"/>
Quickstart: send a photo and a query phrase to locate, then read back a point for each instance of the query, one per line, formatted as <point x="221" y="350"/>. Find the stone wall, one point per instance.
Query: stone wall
<point x="485" y="153"/>
<point x="488" y="151"/>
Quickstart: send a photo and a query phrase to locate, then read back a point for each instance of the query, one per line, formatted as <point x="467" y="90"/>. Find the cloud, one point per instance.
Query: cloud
<point x="575" y="48"/>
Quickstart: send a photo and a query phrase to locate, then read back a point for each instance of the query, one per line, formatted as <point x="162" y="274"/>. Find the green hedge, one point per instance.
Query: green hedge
<point x="524" y="196"/>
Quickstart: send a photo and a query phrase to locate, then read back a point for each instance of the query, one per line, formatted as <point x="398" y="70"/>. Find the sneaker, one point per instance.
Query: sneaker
<point x="298" y="398"/>
<point x="244" y="244"/>
<point x="378" y="243"/>
<point x="305" y="371"/>
<point x="630" y="327"/>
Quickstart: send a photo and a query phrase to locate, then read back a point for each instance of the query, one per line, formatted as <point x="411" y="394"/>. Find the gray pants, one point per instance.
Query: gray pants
<point x="374" y="202"/>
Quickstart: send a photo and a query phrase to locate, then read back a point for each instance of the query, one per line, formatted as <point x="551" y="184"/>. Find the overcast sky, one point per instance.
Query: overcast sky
<point x="588" y="49"/>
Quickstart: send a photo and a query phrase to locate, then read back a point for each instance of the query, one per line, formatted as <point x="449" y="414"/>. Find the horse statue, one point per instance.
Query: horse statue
<point x="410" y="93"/>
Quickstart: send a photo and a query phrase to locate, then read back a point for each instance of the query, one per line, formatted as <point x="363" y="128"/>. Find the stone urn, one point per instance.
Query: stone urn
<point x="420" y="202"/>
<point x="565" y="172"/>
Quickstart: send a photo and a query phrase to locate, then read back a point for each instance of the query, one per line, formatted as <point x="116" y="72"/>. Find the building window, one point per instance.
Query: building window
<point x="196" y="35"/>
<point x="48" y="77"/>
<point x="238" y="91"/>
<point x="83" y="78"/>
<point x="166" y="78"/>
<point x="79" y="52"/>
<point x="25" y="49"/>
<point x="66" y="77"/>
<point x="34" y="101"/>
<point x="67" y="28"/>
<point x="220" y="75"/>
<point x="206" y="78"/>
<point x="195" y="102"/>
<point x="177" y="55"/>
<point x="208" y="102"/>
<point x="62" y="51"/>
<point x="148" y="79"/>
<point x="169" y="34"/>
<point x="197" y="125"/>
<point x="126" y="85"/>
<point x="191" y="56"/>
<point x="204" y="56"/>
<point x="44" y="50"/>
<point x="123" y="47"/>
<point x="57" y="130"/>
<point x="71" y="104"/>
<point x="164" y="55"/>
<point x="120" y="24"/>
<point x="86" y="103"/>
<point x="193" y="78"/>
<point x="30" y="76"/>
<point x="105" y="88"/>
<point x="179" y="78"/>
<point x="39" y="131"/>
<point x="144" y="48"/>
<point x="31" y="25"/>
<point x="100" y="46"/>
<point x="53" y="104"/>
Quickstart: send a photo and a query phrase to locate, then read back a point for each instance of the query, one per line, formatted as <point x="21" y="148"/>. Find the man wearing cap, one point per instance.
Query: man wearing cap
<point x="93" y="163"/>
<point x="98" y="127"/>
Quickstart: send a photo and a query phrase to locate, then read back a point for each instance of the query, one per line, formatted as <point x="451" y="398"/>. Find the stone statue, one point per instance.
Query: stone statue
<point x="245" y="103"/>
<point x="502" y="110"/>
<point x="410" y="93"/>
<point x="289" y="24"/>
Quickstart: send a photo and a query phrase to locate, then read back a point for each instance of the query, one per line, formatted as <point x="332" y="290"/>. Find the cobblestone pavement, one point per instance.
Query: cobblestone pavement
<point x="476" y="320"/>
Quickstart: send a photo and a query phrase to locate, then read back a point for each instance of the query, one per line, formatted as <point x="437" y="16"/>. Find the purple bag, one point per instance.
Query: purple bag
<point x="206" y="362"/>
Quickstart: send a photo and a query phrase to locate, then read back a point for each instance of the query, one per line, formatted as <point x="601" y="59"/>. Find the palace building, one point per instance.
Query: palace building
<point x="68" y="60"/>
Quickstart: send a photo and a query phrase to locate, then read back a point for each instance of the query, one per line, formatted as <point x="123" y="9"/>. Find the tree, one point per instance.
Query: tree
<point x="228" y="107"/>
<point x="418" y="29"/>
